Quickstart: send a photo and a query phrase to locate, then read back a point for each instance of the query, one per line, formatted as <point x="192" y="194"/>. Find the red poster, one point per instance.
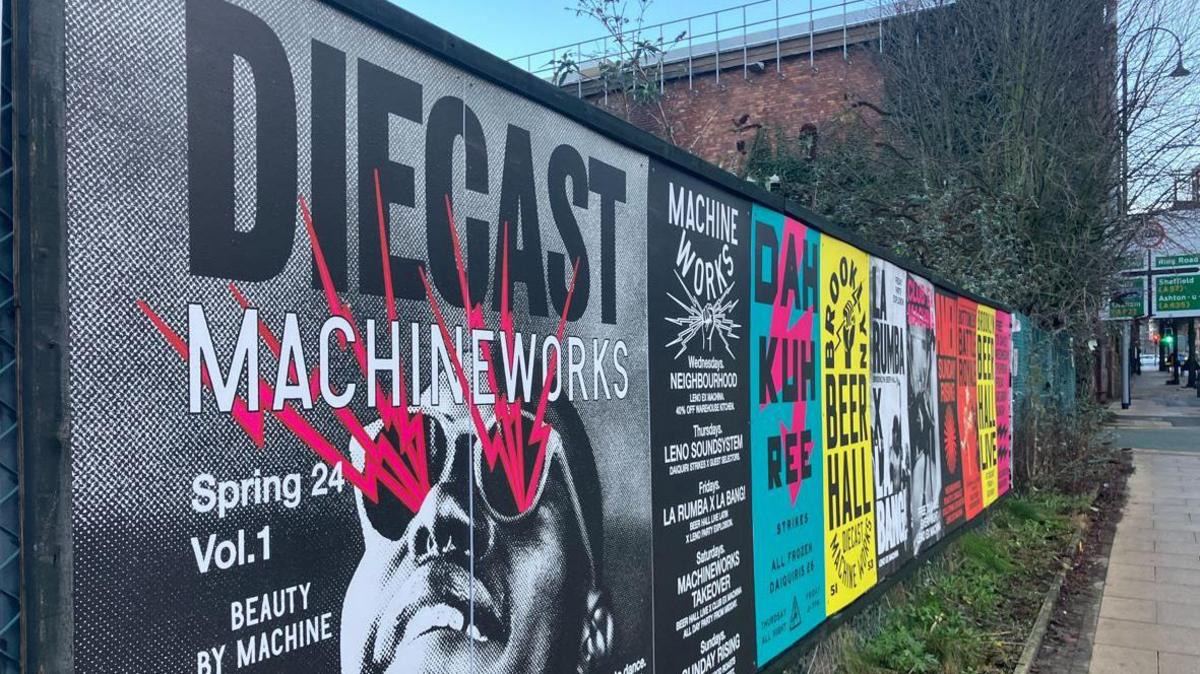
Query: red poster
<point x="946" y="316"/>
<point x="968" y="438"/>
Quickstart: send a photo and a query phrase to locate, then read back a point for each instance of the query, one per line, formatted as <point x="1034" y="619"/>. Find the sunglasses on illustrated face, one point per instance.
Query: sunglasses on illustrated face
<point x="444" y="441"/>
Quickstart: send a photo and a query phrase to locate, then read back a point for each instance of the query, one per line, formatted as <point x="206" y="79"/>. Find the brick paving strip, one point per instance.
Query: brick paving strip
<point x="1149" y="620"/>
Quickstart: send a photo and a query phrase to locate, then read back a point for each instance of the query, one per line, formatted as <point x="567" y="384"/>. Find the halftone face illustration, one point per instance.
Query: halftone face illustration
<point x="920" y="365"/>
<point x="433" y="593"/>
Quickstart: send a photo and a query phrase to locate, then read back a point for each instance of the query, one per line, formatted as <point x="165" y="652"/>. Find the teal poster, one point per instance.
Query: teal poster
<point x="785" y="431"/>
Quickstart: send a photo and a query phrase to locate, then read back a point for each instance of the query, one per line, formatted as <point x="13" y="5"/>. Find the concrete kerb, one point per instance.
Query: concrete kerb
<point x="1033" y="643"/>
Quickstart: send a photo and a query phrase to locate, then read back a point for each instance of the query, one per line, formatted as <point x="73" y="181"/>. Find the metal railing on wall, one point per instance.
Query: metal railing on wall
<point x="743" y="38"/>
<point x="10" y="541"/>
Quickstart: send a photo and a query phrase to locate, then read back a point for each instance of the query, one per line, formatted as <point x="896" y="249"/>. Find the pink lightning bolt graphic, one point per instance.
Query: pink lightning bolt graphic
<point x="402" y="469"/>
<point x="784" y="330"/>
<point x="507" y="445"/>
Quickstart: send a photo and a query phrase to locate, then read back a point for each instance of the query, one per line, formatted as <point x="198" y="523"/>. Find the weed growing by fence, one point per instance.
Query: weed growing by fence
<point x="971" y="610"/>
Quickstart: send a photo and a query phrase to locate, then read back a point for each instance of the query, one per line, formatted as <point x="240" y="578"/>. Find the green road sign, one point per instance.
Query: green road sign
<point x="1172" y="261"/>
<point x="1132" y="262"/>
<point x="1177" y="296"/>
<point x="1129" y="299"/>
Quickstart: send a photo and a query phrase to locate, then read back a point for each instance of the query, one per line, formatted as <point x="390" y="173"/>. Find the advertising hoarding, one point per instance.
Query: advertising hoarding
<point x="441" y="370"/>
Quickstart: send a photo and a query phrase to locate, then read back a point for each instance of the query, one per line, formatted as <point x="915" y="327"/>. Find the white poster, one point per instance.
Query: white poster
<point x="889" y="401"/>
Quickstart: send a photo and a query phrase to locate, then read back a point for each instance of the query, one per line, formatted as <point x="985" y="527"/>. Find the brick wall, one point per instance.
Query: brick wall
<point x="719" y="122"/>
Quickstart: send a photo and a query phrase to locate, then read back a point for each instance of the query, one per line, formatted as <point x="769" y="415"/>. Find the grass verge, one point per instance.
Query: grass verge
<point x="972" y="610"/>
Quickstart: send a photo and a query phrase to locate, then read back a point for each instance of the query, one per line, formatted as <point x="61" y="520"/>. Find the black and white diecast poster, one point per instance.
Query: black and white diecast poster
<point x="699" y="367"/>
<point x="358" y="364"/>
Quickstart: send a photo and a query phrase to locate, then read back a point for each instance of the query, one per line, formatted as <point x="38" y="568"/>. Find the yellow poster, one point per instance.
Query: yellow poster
<point x="849" y="481"/>
<point x="985" y="368"/>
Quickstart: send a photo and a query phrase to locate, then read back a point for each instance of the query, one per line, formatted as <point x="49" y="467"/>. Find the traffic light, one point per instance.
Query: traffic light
<point x="1168" y="340"/>
<point x="1154" y="338"/>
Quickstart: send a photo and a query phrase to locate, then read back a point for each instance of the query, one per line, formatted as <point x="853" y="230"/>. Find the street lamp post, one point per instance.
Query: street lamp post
<point x="1190" y="361"/>
<point x="1126" y="396"/>
<point x="1175" y="352"/>
<point x="1179" y="71"/>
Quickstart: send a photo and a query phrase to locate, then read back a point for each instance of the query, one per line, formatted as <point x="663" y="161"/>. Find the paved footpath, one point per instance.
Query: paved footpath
<point x="1149" y="619"/>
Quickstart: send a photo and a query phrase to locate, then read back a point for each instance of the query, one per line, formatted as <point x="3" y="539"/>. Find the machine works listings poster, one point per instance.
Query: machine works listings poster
<point x="354" y="338"/>
<point x="699" y="350"/>
<point x="1004" y="420"/>
<point x="785" y="431"/>
<point x="950" y="430"/>
<point x="985" y="372"/>
<point x="925" y="510"/>
<point x="889" y="411"/>
<point x="850" y="557"/>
